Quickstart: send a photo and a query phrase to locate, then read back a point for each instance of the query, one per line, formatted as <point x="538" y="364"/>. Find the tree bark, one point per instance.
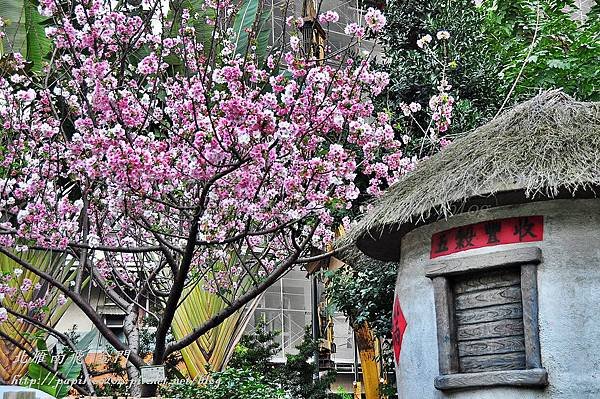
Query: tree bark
<point x="132" y="333"/>
<point x="148" y="390"/>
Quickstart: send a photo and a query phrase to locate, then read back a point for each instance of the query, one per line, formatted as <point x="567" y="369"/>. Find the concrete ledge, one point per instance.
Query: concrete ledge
<point x="520" y="378"/>
<point x="480" y="262"/>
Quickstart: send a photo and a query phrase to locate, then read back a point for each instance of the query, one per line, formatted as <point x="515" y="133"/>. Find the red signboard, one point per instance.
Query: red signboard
<point x="486" y="234"/>
<point x="398" y="328"/>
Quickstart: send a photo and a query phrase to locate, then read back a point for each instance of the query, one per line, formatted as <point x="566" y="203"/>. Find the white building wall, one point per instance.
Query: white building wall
<point x="568" y="292"/>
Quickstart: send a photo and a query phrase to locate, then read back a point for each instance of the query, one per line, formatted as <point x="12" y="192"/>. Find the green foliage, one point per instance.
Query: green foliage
<point x="566" y="49"/>
<point x="250" y="374"/>
<point x="25" y="31"/>
<point x="43" y="379"/>
<point x="255" y="350"/>
<point x="228" y="384"/>
<point x="38" y="45"/>
<point x="243" y="23"/>
<point x="342" y="394"/>
<point x="110" y="366"/>
<point x="297" y="374"/>
<point x="364" y="295"/>
<point x="466" y="60"/>
<point x="262" y="37"/>
<point x="57" y="384"/>
<point x="389" y="390"/>
<point x="199" y="15"/>
<point x="251" y="27"/>
<point x="484" y="56"/>
<point x="295" y="377"/>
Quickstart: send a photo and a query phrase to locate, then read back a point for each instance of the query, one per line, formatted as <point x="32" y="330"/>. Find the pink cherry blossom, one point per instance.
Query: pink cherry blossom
<point x="375" y="19"/>
<point x="329" y="17"/>
<point x="157" y="161"/>
<point x="295" y="43"/>
<point x="135" y="149"/>
<point x="26" y="95"/>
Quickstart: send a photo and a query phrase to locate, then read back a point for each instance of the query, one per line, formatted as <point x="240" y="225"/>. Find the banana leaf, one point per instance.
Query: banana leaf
<point x="25" y="31"/>
<point x="244" y="22"/>
<point x="212" y="350"/>
<point x="19" y="330"/>
<point x="39" y="377"/>
<point x="263" y="35"/>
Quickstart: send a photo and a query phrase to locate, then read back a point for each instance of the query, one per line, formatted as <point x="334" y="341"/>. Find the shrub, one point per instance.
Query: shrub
<point x="228" y="384"/>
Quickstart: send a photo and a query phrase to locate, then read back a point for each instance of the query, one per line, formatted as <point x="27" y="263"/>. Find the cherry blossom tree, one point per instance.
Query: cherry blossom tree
<point x="156" y="153"/>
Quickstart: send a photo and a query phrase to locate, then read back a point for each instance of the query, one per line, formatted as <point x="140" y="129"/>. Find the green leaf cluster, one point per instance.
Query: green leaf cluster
<point x="24" y="31"/>
<point x="487" y="52"/>
<point x="58" y="384"/>
<point x="297" y="374"/>
<point x="364" y="295"/>
<point x="256" y="350"/>
<point x="564" y="38"/>
<point x="229" y="384"/>
<point x="470" y="65"/>
<point x="252" y="373"/>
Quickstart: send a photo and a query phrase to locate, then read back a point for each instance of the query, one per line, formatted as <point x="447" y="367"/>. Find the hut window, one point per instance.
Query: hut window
<point x="486" y="310"/>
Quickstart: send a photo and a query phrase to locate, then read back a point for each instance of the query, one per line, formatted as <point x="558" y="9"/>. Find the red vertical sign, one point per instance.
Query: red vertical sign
<point x="398" y="328"/>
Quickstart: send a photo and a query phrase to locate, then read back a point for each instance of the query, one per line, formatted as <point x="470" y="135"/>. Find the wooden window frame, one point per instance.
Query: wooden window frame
<point x="534" y="375"/>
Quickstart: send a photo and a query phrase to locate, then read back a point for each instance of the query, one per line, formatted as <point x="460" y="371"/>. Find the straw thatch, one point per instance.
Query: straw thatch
<point x="541" y="147"/>
<point x="357" y="260"/>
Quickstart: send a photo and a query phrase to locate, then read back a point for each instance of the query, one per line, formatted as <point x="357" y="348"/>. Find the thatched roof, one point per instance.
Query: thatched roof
<point x="357" y="260"/>
<point x="544" y="148"/>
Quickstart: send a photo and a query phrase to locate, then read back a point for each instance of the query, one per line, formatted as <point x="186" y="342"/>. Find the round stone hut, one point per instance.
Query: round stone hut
<point x="498" y="243"/>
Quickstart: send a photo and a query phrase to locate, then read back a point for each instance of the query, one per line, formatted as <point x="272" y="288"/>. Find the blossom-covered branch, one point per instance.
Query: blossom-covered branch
<point x="159" y="151"/>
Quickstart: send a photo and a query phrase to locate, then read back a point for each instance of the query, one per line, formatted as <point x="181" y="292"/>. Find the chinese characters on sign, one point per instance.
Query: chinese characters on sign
<point x="153" y="374"/>
<point x="398" y="328"/>
<point x="489" y="233"/>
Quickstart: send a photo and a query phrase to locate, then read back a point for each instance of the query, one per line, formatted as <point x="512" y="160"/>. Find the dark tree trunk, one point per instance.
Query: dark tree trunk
<point x="148" y="390"/>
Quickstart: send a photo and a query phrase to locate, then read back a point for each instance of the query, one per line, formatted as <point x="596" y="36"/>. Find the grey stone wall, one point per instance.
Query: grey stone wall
<point x="569" y="298"/>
